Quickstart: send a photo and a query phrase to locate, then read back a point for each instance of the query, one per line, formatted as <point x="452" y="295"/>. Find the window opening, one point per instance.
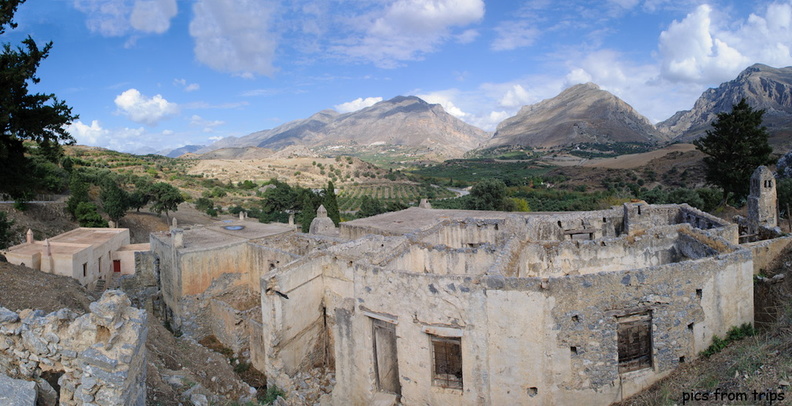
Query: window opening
<point x="635" y="342"/>
<point x="447" y="365"/>
<point x="85" y="269"/>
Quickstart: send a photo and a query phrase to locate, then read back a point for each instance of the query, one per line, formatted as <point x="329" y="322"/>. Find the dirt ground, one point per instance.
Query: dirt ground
<point x="633" y="161"/>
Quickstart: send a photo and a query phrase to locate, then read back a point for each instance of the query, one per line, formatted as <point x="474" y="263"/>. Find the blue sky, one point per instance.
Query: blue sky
<point x="148" y="75"/>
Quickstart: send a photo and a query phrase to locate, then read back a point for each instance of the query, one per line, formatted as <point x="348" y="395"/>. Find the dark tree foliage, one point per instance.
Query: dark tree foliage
<point x="164" y="197"/>
<point x="204" y="204"/>
<point x="370" y="206"/>
<point x="78" y="188"/>
<point x="331" y="204"/>
<point x="138" y="199"/>
<point x="88" y="215"/>
<point x="735" y="146"/>
<point x="489" y="194"/>
<point x="36" y="117"/>
<point x="278" y="199"/>
<point x="115" y="201"/>
<point x="308" y="213"/>
<point x="5" y="230"/>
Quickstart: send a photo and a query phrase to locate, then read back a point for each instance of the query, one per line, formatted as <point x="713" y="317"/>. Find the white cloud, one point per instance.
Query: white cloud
<point x="215" y="138"/>
<point x="188" y="87"/>
<point x="125" y="139"/>
<point x="235" y="36"/>
<point x="467" y="36"/>
<point x="120" y="17"/>
<point x="144" y="110"/>
<point x="706" y="47"/>
<point x="208" y="125"/>
<point x="153" y="15"/>
<point x="108" y="17"/>
<point x="408" y="29"/>
<point x="577" y="76"/>
<point x="515" y="34"/>
<point x="167" y="132"/>
<point x="444" y="99"/>
<point x="517" y="96"/>
<point x="87" y="134"/>
<point x="357" y="104"/>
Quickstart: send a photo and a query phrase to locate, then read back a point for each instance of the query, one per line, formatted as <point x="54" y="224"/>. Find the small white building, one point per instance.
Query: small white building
<point x="85" y="254"/>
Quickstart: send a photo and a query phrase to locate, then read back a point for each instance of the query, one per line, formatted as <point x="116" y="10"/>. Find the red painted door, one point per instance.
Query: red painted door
<point x="116" y="265"/>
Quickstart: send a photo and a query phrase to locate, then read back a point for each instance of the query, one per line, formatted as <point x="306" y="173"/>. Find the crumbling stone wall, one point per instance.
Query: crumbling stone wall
<point x="100" y="356"/>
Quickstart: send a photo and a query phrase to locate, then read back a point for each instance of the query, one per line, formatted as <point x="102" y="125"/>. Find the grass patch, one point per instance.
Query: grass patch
<point x="734" y="334"/>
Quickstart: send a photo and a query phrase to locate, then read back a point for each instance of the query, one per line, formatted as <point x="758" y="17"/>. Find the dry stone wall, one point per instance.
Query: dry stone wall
<point x="100" y="357"/>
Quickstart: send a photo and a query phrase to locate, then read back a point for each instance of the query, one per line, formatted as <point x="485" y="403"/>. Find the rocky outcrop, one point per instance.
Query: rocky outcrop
<point x="403" y="121"/>
<point x="580" y="114"/>
<point x="762" y="86"/>
<point x="97" y="358"/>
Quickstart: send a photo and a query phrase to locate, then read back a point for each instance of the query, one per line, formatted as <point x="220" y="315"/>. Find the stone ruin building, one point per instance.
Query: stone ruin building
<point x="448" y="307"/>
<point x="422" y="306"/>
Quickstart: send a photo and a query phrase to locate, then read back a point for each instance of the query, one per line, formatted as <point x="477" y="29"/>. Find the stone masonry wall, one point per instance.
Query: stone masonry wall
<point x="100" y="356"/>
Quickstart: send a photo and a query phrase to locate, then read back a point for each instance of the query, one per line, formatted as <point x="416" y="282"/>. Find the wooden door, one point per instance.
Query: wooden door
<point x="386" y="362"/>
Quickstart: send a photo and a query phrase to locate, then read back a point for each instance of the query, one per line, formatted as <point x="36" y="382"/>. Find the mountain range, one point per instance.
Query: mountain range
<point x="403" y="121"/>
<point x="580" y="114"/>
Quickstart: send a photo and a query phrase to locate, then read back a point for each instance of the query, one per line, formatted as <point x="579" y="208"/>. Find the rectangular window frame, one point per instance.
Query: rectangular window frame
<point x="634" y="342"/>
<point x="447" y="363"/>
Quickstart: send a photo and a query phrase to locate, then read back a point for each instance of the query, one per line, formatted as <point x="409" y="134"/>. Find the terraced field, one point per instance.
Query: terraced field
<point x="350" y="197"/>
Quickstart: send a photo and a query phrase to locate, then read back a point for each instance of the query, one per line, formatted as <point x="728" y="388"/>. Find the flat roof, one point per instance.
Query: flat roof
<point x="88" y="236"/>
<point x="69" y="242"/>
<point x="416" y="219"/>
<point x="230" y="232"/>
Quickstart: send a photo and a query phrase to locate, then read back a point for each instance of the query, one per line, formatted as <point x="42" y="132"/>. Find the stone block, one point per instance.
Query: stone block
<point x="93" y="357"/>
<point x="46" y="393"/>
<point x="7" y="316"/>
<point x="17" y="392"/>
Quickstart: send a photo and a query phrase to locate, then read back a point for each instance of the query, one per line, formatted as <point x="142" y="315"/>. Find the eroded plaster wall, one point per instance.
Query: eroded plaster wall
<point x="292" y="308"/>
<point x="581" y="257"/>
<point x="199" y="268"/>
<point x="443" y="260"/>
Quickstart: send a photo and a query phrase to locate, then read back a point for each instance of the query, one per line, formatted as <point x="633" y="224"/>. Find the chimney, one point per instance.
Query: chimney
<point x="29" y="236"/>
<point x="178" y="237"/>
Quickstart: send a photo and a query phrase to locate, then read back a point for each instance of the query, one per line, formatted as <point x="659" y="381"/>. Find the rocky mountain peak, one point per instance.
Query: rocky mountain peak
<point x="582" y="113"/>
<point x="762" y="86"/>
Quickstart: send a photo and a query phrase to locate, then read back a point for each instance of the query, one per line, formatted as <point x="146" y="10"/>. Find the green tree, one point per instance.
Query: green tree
<point x="735" y="146"/>
<point x="138" y="199"/>
<point x="278" y="199"/>
<point x="308" y="212"/>
<point x="165" y="197"/>
<point x="88" y="215"/>
<point x="78" y="188"/>
<point x="370" y="206"/>
<point x="115" y="201"/>
<point x="489" y="194"/>
<point x="37" y="117"/>
<point x="204" y="204"/>
<point x="331" y="203"/>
